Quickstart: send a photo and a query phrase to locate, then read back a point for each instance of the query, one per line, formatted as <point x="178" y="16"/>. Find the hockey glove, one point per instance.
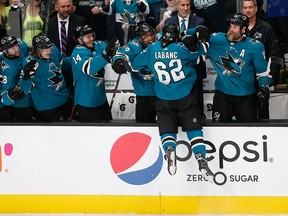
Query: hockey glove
<point x="202" y="33"/>
<point x="190" y="42"/>
<point x="111" y="48"/>
<point x="263" y="94"/>
<point x="121" y="66"/>
<point x="16" y="94"/>
<point x="30" y="69"/>
<point x="146" y="74"/>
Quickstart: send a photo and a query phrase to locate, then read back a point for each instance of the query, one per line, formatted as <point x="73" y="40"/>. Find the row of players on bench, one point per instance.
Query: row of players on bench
<point x="40" y="91"/>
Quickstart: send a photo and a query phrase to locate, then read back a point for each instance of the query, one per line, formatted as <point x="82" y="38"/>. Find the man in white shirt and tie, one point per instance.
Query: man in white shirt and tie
<point x="64" y="9"/>
<point x="184" y="16"/>
<point x="64" y="39"/>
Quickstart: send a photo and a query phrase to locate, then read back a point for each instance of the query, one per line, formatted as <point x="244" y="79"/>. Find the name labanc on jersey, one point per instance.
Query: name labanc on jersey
<point x="166" y="55"/>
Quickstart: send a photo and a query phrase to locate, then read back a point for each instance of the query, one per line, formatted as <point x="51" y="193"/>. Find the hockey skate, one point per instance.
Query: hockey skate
<point x="204" y="169"/>
<point x="170" y="157"/>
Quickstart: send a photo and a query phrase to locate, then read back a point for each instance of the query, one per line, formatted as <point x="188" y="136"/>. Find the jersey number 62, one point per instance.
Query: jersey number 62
<point x="173" y="72"/>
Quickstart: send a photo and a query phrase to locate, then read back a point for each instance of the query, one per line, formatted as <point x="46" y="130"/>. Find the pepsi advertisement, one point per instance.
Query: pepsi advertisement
<point x="130" y="160"/>
<point x="82" y="168"/>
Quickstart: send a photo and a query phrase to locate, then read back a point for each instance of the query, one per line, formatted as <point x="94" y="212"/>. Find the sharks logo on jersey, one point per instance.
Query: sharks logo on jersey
<point x="231" y="65"/>
<point x="136" y="43"/>
<point x="29" y="58"/>
<point x="127" y="48"/>
<point x="55" y="79"/>
<point x="257" y="35"/>
<point x="4" y="65"/>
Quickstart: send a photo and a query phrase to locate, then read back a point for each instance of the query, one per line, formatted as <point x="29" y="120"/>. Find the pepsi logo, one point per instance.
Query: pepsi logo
<point x="127" y="156"/>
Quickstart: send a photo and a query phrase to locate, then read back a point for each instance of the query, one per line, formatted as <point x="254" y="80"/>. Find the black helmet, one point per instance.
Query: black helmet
<point x="170" y="33"/>
<point x="8" y="41"/>
<point x="41" y="41"/>
<point x="143" y="29"/>
<point x="81" y="31"/>
<point x="240" y="20"/>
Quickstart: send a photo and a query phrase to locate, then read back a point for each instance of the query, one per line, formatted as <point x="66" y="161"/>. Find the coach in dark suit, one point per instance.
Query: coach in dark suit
<point x="64" y="15"/>
<point x="191" y="21"/>
<point x="54" y="34"/>
<point x="184" y="19"/>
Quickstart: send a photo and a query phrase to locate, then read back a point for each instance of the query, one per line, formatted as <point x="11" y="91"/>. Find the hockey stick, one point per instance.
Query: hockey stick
<point x="22" y="6"/>
<point x="133" y="24"/>
<point x="115" y="91"/>
<point x="47" y="18"/>
<point x="72" y="113"/>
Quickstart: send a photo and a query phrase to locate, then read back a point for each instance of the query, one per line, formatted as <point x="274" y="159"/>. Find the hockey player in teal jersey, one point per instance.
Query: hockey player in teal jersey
<point x="42" y="77"/>
<point x="5" y="111"/>
<point x="169" y="61"/>
<point x="88" y="61"/>
<point x="143" y="85"/>
<point x="18" y="106"/>
<point x="237" y="60"/>
<point x="127" y="14"/>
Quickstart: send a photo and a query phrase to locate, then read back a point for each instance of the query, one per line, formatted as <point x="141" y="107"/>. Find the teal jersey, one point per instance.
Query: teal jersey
<point x="1" y="104"/>
<point x="153" y="1"/>
<point x="142" y="87"/>
<point x="1" y="80"/>
<point x="11" y="71"/>
<point x="237" y="64"/>
<point x="119" y="7"/>
<point x="48" y="87"/>
<point x="88" y="74"/>
<point x="171" y="67"/>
